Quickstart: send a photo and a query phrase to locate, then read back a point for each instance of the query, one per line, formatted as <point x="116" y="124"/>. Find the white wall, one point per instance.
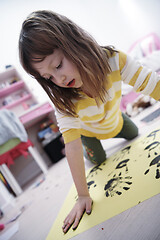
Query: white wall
<point x="115" y="22"/>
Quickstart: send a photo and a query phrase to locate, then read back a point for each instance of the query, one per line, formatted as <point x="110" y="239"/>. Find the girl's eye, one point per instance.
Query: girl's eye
<point x="59" y="66"/>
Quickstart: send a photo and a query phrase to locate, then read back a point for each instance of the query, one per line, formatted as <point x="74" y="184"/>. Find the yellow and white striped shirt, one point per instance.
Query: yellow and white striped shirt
<point x="106" y="120"/>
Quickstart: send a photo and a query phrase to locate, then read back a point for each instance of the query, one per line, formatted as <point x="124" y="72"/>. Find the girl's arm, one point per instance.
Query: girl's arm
<point x="74" y="154"/>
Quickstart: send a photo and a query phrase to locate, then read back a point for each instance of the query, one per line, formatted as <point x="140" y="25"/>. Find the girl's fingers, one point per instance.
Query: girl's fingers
<point x="66" y="227"/>
<point x="67" y="223"/>
<point x="83" y="204"/>
<point x="76" y="222"/>
<point x="89" y="207"/>
<point x="78" y="219"/>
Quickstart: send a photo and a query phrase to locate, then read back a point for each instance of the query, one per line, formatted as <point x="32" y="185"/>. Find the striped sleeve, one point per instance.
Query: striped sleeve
<point x="142" y="79"/>
<point x="68" y="126"/>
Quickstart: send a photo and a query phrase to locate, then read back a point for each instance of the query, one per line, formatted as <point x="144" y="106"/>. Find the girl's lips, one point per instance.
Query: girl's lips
<point x="71" y="83"/>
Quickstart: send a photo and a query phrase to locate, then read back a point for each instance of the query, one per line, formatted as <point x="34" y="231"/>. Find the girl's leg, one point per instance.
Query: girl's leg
<point x="93" y="149"/>
<point x="129" y="129"/>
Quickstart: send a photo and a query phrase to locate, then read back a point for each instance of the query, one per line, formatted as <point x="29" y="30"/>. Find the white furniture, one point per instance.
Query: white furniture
<point x="16" y="96"/>
<point x="11" y="179"/>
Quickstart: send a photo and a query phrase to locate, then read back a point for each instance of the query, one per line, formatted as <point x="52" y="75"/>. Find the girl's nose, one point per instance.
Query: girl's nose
<point x="63" y="79"/>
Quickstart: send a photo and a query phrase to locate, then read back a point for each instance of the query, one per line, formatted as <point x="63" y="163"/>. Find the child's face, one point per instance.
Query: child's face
<point x="59" y="70"/>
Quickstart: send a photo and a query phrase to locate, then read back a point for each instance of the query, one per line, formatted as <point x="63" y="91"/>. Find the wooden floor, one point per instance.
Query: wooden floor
<point x="141" y="222"/>
<point x="43" y="203"/>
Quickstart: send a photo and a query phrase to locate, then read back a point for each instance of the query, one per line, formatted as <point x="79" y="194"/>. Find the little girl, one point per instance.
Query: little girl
<point x="83" y="80"/>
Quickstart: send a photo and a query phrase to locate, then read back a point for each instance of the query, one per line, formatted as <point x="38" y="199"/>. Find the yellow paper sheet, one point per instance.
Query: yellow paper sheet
<point x="127" y="178"/>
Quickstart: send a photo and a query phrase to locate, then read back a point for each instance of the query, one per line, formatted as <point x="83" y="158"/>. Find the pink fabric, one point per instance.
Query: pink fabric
<point x="129" y="98"/>
<point x="20" y="149"/>
<point x="148" y="44"/>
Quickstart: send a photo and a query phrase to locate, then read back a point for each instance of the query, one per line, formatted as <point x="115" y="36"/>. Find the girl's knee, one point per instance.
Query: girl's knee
<point x="94" y="158"/>
<point x="134" y="134"/>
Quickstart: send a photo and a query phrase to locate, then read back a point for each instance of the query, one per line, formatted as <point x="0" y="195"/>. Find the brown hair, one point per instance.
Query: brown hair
<point x="42" y="32"/>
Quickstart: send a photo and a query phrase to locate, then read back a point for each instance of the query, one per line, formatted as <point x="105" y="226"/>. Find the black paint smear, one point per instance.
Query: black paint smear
<point x="123" y="152"/>
<point x="113" y="183"/>
<point x="89" y="184"/>
<point x="153" y="134"/>
<point x="120" y="165"/>
<point x="107" y="194"/>
<point x="95" y="169"/>
<point x="152" y="146"/>
<point x="155" y="161"/>
<point x="157" y="174"/>
<point x="126" y="188"/>
<point x="129" y="183"/>
<point x="123" y="164"/>
<point x="118" y="193"/>
<point x="147" y="171"/>
<point x="126" y="150"/>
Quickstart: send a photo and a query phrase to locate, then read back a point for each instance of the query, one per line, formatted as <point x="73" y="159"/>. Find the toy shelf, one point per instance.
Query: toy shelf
<point x="11" y="88"/>
<point x="11" y="105"/>
<point x="39" y="111"/>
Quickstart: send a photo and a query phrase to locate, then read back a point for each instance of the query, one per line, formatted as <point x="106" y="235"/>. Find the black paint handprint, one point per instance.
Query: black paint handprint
<point x="117" y="182"/>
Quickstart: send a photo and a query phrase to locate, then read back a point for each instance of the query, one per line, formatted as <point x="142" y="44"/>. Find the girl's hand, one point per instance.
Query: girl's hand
<point x="83" y="204"/>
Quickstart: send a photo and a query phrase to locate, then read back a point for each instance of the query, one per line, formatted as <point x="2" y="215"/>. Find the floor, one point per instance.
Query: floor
<point x="41" y="201"/>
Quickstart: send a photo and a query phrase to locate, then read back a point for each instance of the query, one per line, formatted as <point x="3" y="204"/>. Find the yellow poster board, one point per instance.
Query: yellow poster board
<point x="127" y="178"/>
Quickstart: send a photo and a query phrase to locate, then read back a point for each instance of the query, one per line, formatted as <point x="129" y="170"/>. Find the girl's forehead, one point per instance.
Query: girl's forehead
<point x="53" y="58"/>
<point x="55" y="54"/>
